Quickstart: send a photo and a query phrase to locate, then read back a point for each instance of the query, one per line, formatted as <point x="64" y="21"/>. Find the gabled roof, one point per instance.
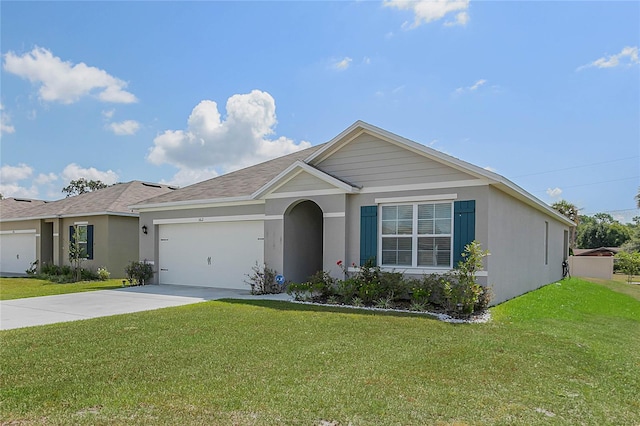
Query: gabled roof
<point x="586" y="252"/>
<point x="114" y="200"/>
<point x="254" y="182"/>
<point x="238" y="185"/>
<point x="13" y="206"/>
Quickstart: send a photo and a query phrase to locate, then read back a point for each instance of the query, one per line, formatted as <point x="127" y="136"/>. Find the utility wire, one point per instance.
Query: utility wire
<point x="578" y="167"/>
<point x="592" y="183"/>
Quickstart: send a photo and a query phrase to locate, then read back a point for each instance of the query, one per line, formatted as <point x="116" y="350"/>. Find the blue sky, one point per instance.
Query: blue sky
<point x="545" y="93"/>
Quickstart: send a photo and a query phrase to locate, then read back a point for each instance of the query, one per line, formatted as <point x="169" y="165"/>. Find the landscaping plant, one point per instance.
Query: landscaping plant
<point x="456" y="293"/>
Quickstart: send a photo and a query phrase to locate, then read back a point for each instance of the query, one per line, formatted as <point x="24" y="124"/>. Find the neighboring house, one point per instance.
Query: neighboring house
<point x="108" y="229"/>
<point x="366" y="194"/>
<point x="601" y="251"/>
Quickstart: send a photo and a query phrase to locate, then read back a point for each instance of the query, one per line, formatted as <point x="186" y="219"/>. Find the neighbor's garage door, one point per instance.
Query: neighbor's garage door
<point x="218" y="254"/>
<point x="17" y="251"/>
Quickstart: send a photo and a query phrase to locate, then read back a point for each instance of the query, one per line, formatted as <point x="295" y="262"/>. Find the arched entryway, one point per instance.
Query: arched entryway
<point x="303" y="241"/>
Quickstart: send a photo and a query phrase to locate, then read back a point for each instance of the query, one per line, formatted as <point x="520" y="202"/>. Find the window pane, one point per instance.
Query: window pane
<point x="82" y="234"/>
<point x="404" y="244"/>
<point x="425" y="226"/>
<point x="434" y="251"/>
<point x="405" y="212"/>
<point x="389" y="212"/>
<point x="389" y="257"/>
<point x="443" y="211"/>
<point x="405" y="227"/>
<point x="443" y="226"/>
<point x="389" y="227"/>
<point x="390" y="244"/>
<point x="404" y="258"/>
<point x="396" y="251"/>
<point x="425" y="211"/>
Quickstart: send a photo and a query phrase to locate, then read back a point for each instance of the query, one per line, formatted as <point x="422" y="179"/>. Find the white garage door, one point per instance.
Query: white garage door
<point x="17" y="251"/>
<point x="218" y="254"/>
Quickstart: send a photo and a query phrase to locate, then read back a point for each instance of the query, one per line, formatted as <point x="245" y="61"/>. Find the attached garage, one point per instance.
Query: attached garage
<point x="209" y="254"/>
<point x="17" y="250"/>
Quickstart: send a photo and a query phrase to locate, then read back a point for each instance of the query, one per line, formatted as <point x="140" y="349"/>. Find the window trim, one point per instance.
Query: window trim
<point x="415" y="235"/>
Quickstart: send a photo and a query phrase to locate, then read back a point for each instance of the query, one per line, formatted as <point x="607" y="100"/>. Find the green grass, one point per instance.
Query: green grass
<point x="568" y="353"/>
<point x="18" y="288"/>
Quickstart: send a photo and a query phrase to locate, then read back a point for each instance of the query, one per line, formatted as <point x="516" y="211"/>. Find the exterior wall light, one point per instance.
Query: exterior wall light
<point x="144" y="229"/>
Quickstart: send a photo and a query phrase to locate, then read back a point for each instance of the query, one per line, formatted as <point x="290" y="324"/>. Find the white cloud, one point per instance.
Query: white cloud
<point x="108" y="114"/>
<point x="627" y="56"/>
<point x="211" y="144"/>
<point x="45" y="178"/>
<point x="478" y="84"/>
<point x="186" y="177"/>
<point x="554" y="192"/>
<point x="5" y="122"/>
<point x="342" y="64"/>
<point x="11" y="178"/>
<point x="366" y="60"/>
<point x="127" y="127"/>
<point x="426" y="11"/>
<point x="15" y="173"/>
<point x="63" y="81"/>
<point x="475" y="86"/>
<point x="74" y="172"/>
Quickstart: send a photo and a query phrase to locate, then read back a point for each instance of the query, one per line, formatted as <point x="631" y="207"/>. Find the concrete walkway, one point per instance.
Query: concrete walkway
<point x="34" y="311"/>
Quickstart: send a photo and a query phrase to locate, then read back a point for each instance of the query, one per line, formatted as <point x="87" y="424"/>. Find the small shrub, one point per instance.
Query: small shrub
<point x="385" y="302"/>
<point x="418" y="306"/>
<point x="103" y="274"/>
<point x="357" y="302"/>
<point x="332" y="300"/>
<point x="263" y="280"/>
<point x="139" y="273"/>
<point x="299" y="291"/>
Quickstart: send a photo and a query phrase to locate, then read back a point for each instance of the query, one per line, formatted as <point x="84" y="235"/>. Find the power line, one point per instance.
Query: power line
<point x="592" y="183"/>
<point x="578" y="167"/>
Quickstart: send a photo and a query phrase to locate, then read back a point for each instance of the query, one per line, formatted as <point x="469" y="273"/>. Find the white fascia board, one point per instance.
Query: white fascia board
<point x="66" y="216"/>
<point x="20" y="219"/>
<point x="417" y="198"/>
<point x="211" y="219"/>
<point x="292" y="171"/>
<point x="196" y="204"/>
<point x="518" y="193"/>
<point x="18" y="231"/>
<point x="425" y="186"/>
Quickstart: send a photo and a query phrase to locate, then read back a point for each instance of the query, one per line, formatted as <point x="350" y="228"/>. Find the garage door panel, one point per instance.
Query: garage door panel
<point x="210" y="254"/>
<point x="17" y="252"/>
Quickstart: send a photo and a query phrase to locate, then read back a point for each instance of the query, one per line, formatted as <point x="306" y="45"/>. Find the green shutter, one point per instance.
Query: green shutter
<point x="368" y="233"/>
<point x="464" y="227"/>
<point x="89" y="241"/>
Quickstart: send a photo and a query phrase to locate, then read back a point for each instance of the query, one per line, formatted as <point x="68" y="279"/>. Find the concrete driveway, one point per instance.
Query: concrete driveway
<point x="33" y="311"/>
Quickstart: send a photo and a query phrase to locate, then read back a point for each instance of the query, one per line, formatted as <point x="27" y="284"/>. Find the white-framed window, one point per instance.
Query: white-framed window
<point x="416" y="235"/>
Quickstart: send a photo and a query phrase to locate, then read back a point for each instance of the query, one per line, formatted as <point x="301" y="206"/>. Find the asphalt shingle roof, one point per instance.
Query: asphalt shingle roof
<point x="113" y="199"/>
<point x="235" y="184"/>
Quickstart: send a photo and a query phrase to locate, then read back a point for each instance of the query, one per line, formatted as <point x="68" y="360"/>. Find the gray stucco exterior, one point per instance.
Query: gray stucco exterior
<point x="311" y="209"/>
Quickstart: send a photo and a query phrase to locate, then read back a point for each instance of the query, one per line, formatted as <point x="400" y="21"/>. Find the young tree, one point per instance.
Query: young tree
<point x="82" y="185"/>
<point x="629" y="263"/>
<point x="76" y="253"/>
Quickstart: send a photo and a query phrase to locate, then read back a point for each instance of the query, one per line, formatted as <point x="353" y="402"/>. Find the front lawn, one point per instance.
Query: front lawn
<point x="566" y="354"/>
<point x="18" y="288"/>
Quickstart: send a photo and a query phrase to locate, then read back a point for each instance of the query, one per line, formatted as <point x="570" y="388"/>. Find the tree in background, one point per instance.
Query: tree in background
<point x="629" y="263"/>
<point x="633" y="245"/>
<point x="80" y="186"/>
<point x="601" y="230"/>
<point x="570" y="211"/>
